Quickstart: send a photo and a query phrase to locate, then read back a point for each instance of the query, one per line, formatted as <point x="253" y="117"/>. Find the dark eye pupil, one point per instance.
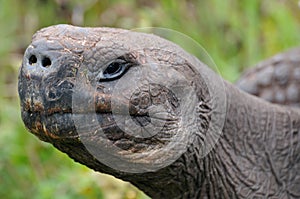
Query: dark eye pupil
<point x="113" y="68"/>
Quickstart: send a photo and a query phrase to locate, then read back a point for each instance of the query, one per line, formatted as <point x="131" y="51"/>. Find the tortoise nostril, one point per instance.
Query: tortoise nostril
<point x="32" y="60"/>
<point x="46" y="62"/>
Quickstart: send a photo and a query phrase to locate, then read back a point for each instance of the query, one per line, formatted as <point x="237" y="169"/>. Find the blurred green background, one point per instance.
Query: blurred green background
<point x="236" y="33"/>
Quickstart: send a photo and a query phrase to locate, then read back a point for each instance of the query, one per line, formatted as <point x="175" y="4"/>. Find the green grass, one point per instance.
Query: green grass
<point x="235" y="33"/>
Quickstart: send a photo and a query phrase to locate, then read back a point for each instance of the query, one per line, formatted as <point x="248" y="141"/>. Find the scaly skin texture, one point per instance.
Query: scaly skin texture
<point x="275" y="79"/>
<point x="234" y="145"/>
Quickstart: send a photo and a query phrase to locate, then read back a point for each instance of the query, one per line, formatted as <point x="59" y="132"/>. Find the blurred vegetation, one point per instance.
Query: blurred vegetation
<point x="236" y="33"/>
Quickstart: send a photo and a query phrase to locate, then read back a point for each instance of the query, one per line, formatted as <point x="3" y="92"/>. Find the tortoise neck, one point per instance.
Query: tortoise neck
<point x="253" y="149"/>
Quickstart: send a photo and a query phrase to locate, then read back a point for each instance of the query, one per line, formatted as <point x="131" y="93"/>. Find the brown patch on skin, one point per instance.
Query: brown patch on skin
<point x="38" y="107"/>
<point x="58" y="110"/>
<point x="33" y="107"/>
<point x="39" y="127"/>
<point x="102" y="102"/>
<point x="35" y="130"/>
<point x="49" y="134"/>
<point x="27" y="75"/>
<point x="27" y="105"/>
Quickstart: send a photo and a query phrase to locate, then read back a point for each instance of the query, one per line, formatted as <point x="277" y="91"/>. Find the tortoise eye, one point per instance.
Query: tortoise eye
<point x="114" y="70"/>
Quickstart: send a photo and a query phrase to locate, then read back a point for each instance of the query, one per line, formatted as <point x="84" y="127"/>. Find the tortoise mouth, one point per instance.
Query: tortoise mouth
<point x="59" y="123"/>
<point x="53" y="126"/>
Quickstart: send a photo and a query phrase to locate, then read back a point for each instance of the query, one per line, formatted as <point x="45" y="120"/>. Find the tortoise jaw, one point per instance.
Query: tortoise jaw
<point x="57" y="126"/>
<point x="59" y="123"/>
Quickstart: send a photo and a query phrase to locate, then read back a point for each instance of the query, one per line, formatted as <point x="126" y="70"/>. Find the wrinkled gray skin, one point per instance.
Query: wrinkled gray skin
<point x="256" y="156"/>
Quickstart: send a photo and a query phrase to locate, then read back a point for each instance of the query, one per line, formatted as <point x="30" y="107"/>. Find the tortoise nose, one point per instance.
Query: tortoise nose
<point x="37" y="62"/>
<point x="44" y="61"/>
<point x="41" y="57"/>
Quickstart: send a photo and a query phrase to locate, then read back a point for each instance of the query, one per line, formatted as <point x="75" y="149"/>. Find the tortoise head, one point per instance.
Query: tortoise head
<point x="112" y="98"/>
